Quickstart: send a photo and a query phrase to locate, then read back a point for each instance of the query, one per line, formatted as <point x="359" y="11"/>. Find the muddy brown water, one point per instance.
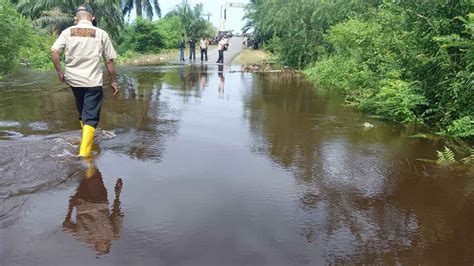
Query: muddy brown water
<point x="202" y="167"/>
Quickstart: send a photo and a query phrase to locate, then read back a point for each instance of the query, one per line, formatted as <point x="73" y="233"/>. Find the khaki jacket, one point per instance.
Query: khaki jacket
<point x="84" y="46"/>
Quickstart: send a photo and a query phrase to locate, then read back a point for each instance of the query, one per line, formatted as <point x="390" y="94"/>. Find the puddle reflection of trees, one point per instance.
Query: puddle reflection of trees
<point x="358" y="198"/>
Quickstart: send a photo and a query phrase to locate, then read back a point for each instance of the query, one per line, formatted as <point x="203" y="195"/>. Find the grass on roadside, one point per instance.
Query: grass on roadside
<point x="250" y="56"/>
<point x="137" y="59"/>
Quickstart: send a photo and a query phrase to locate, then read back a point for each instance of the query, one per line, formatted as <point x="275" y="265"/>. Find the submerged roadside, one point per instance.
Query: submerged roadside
<point x="396" y="103"/>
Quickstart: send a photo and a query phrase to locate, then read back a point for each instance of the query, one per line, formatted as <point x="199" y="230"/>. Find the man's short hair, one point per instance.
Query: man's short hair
<point x="86" y="8"/>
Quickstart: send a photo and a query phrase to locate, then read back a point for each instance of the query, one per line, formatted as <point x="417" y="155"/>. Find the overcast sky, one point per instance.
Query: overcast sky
<point x="234" y="15"/>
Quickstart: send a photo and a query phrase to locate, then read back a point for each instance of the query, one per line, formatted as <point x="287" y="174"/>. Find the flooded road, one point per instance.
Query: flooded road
<point x="198" y="166"/>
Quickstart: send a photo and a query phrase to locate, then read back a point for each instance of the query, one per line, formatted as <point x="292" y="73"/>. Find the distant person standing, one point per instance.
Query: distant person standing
<point x="84" y="46"/>
<point x="221" y="47"/>
<point x="203" y="45"/>
<point x="181" y="45"/>
<point x="192" y="49"/>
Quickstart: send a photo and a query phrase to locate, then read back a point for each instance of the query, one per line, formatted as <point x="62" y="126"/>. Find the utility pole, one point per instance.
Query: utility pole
<point x="208" y="15"/>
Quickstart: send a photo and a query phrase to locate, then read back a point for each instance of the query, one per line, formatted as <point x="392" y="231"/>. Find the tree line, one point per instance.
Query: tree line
<point x="28" y="28"/>
<point x="403" y="60"/>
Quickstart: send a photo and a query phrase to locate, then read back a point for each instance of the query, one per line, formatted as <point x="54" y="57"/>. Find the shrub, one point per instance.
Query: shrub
<point x="453" y="94"/>
<point x="462" y="127"/>
<point x="12" y="36"/>
<point x="143" y="36"/>
<point x="171" y="30"/>
<point x="36" y="51"/>
<point x="357" y="46"/>
<point x="146" y="36"/>
<point x="129" y="54"/>
<point x="397" y="100"/>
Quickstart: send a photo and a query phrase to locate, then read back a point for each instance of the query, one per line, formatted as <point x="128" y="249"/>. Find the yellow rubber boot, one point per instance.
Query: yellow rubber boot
<point x="87" y="140"/>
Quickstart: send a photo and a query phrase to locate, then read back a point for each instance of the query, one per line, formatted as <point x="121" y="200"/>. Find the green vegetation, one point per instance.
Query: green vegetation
<point x="447" y="157"/>
<point x="36" y="51"/>
<point x="145" y="37"/>
<point x="58" y="15"/>
<point x="192" y="20"/>
<point x="12" y="28"/>
<point x="406" y="61"/>
<point x="20" y="42"/>
<point x="29" y="28"/>
<point x="140" y="6"/>
<point x="142" y="36"/>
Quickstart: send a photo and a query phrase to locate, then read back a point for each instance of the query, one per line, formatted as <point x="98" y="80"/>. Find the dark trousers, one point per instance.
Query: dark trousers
<point x="181" y="53"/>
<point x="88" y="104"/>
<point x="192" y="53"/>
<point x="221" y="57"/>
<point x="204" y="54"/>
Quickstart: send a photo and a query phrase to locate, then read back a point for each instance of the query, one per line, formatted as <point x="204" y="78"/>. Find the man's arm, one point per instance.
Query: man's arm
<point x="56" y="49"/>
<point x="111" y="69"/>
<point x="109" y="54"/>
<point x="57" y="64"/>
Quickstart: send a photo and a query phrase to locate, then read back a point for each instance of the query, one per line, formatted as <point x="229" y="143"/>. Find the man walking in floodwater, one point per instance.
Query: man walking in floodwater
<point x="84" y="45"/>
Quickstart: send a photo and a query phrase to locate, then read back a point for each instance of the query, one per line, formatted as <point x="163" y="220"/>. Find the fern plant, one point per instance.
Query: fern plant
<point x="445" y="157"/>
<point x="470" y="158"/>
<point x="427" y="136"/>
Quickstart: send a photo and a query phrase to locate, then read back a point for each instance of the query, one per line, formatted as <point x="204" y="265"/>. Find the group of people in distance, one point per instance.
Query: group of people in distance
<point x="203" y="45"/>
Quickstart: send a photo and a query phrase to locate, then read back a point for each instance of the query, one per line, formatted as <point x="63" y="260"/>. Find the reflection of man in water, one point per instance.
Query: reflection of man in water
<point x="181" y="73"/>
<point x="203" y="77"/>
<point x="221" y="80"/>
<point x="95" y="224"/>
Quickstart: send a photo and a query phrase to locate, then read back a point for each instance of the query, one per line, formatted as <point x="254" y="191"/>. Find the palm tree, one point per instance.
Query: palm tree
<point x="191" y="18"/>
<point x="56" y="15"/>
<point x="149" y="6"/>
